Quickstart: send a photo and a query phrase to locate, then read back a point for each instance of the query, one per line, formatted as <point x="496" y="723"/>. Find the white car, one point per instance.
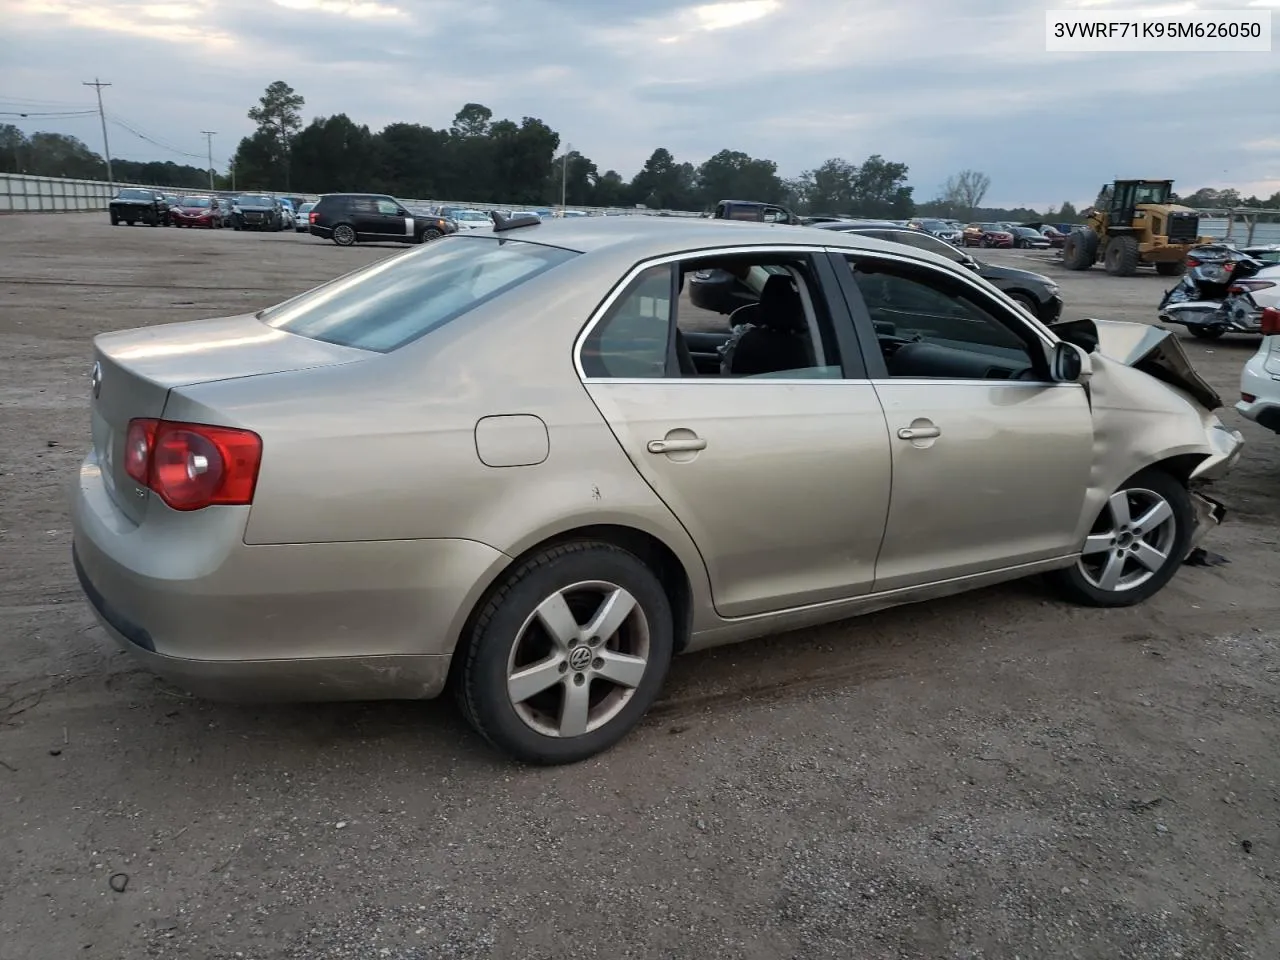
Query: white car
<point x="471" y="219"/>
<point x="302" y="219"/>
<point x="1260" y="381"/>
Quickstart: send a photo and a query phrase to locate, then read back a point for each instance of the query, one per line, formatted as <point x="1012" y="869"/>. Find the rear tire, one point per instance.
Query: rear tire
<point x="344" y="235"/>
<point x="431" y="233"/>
<point x="1150" y="517"/>
<point x="1080" y="250"/>
<point x="1121" y="256"/>
<point x="1206" y="333"/>
<point x="517" y="635"/>
<point x="1175" y="269"/>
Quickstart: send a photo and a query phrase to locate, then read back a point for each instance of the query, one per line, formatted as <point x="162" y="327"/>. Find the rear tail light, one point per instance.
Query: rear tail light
<point x="193" y="465"/>
<point x="1248" y="397"/>
<point x="1270" y="322"/>
<point x="1248" y="286"/>
<point x="311" y="217"/>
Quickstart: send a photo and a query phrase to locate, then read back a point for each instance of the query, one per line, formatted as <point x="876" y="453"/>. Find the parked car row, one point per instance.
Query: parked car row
<point x="246" y="211"/>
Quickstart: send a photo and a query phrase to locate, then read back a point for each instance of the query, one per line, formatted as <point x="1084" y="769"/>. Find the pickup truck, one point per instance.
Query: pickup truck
<point x="139" y="205"/>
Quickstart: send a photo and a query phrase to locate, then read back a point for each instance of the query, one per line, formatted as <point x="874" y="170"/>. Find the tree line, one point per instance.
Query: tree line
<point x="483" y="160"/>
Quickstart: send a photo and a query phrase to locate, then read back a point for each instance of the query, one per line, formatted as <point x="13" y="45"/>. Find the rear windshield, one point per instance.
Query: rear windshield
<point x="395" y="301"/>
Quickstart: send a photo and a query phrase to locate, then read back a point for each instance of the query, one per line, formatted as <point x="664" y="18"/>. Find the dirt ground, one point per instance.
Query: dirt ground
<point x="997" y="775"/>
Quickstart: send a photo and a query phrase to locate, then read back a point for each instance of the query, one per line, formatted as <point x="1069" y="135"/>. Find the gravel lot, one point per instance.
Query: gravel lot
<point x="991" y="776"/>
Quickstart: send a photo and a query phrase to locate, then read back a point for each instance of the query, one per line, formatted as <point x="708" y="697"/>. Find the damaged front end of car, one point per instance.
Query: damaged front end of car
<point x="1148" y="400"/>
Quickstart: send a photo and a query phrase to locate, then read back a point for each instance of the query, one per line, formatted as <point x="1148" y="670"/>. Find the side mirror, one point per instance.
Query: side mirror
<point x="1069" y="364"/>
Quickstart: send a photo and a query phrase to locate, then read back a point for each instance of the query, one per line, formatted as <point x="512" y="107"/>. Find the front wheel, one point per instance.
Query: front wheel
<point x="1136" y="545"/>
<point x="344" y="235"/>
<point x="567" y="654"/>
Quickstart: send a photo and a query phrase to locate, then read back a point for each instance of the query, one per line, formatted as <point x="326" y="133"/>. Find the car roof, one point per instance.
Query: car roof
<point x="643" y="238"/>
<point x="839" y="225"/>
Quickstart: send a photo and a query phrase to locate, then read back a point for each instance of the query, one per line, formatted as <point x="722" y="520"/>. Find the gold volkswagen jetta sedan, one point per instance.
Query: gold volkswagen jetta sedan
<point x="519" y="463"/>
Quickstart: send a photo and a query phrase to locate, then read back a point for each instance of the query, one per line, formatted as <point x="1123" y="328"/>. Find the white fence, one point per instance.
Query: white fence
<point x="20" y="193"/>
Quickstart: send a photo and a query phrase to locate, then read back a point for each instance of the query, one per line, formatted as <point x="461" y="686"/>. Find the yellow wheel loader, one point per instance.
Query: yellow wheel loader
<point x="1131" y="223"/>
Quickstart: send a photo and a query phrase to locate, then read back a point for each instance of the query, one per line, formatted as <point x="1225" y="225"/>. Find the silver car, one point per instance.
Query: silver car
<point x="518" y="463"/>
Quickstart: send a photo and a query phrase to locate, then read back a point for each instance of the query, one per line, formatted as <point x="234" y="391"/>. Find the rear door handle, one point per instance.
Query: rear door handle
<point x="677" y="446"/>
<point x="919" y="433"/>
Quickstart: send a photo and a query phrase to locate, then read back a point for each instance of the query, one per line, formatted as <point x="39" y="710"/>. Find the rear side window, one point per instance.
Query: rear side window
<point x="395" y="301"/>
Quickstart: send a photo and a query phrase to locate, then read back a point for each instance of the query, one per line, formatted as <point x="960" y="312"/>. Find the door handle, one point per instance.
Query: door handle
<point x="682" y="445"/>
<point x="919" y="433"/>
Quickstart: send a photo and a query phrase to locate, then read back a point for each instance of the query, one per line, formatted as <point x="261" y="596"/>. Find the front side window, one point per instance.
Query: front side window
<point x="930" y="325"/>
<point x="388" y="208"/>
<point x="397" y="300"/>
<point x="745" y="316"/>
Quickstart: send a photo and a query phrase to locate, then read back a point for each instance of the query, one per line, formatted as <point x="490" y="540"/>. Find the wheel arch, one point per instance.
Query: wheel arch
<point x="652" y="550"/>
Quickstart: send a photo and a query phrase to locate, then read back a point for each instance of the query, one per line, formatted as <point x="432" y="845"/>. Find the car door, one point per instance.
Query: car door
<point x="781" y="477"/>
<point x="394" y="220"/>
<point x="991" y="458"/>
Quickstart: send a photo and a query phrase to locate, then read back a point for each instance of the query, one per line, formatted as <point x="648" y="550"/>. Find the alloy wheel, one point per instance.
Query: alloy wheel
<point x="1130" y="542"/>
<point x="344" y="235"/>
<point x="578" y="659"/>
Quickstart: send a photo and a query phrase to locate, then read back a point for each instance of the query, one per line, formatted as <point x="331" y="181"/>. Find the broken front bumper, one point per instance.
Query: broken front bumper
<point x="1209" y="514"/>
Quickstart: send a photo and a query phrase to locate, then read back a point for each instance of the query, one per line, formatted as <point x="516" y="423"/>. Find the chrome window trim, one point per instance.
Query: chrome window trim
<point x="946" y="266"/>
<point x="914" y="381"/>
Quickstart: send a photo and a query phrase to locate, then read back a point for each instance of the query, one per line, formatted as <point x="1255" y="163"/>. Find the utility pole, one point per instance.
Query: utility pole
<point x="98" y="85"/>
<point x="208" y="139"/>
<point x="564" y="175"/>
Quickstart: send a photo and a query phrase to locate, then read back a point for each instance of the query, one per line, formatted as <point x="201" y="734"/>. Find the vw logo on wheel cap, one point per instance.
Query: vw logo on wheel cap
<point x="579" y="658"/>
<point x="95" y="379"/>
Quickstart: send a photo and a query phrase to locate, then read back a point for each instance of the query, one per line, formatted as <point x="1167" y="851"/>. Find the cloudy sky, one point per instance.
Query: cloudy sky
<point x="938" y="84"/>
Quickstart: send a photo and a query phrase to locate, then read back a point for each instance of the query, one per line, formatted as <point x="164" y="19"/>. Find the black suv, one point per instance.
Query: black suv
<point x="347" y="218"/>
<point x="753" y="211"/>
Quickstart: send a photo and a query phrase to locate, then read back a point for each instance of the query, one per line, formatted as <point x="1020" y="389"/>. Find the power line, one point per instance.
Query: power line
<point x="97" y="86"/>
<point x="154" y="141"/>
<point x="52" y="113"/>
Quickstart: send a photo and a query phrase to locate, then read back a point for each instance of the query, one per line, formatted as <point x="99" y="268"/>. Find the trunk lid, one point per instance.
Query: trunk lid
<point x="1155" y="352"/>
<point x="134" y="370"/>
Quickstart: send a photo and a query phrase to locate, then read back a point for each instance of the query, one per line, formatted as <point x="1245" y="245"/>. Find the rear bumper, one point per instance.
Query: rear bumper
<point x="319" y="231"/>
<point x="318" y="621"/>
<point x="1259" y="382"/>
<point x="311" y="679"/>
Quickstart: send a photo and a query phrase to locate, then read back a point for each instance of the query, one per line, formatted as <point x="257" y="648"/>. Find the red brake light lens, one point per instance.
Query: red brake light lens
<point x="311" y="217"/>
<point x="191" y="466"/>
<point x="1270" y="322"/>
<point x="137" y="449"/>
<point x="1243" y="286"/>
<point x="1248" y="397"/>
